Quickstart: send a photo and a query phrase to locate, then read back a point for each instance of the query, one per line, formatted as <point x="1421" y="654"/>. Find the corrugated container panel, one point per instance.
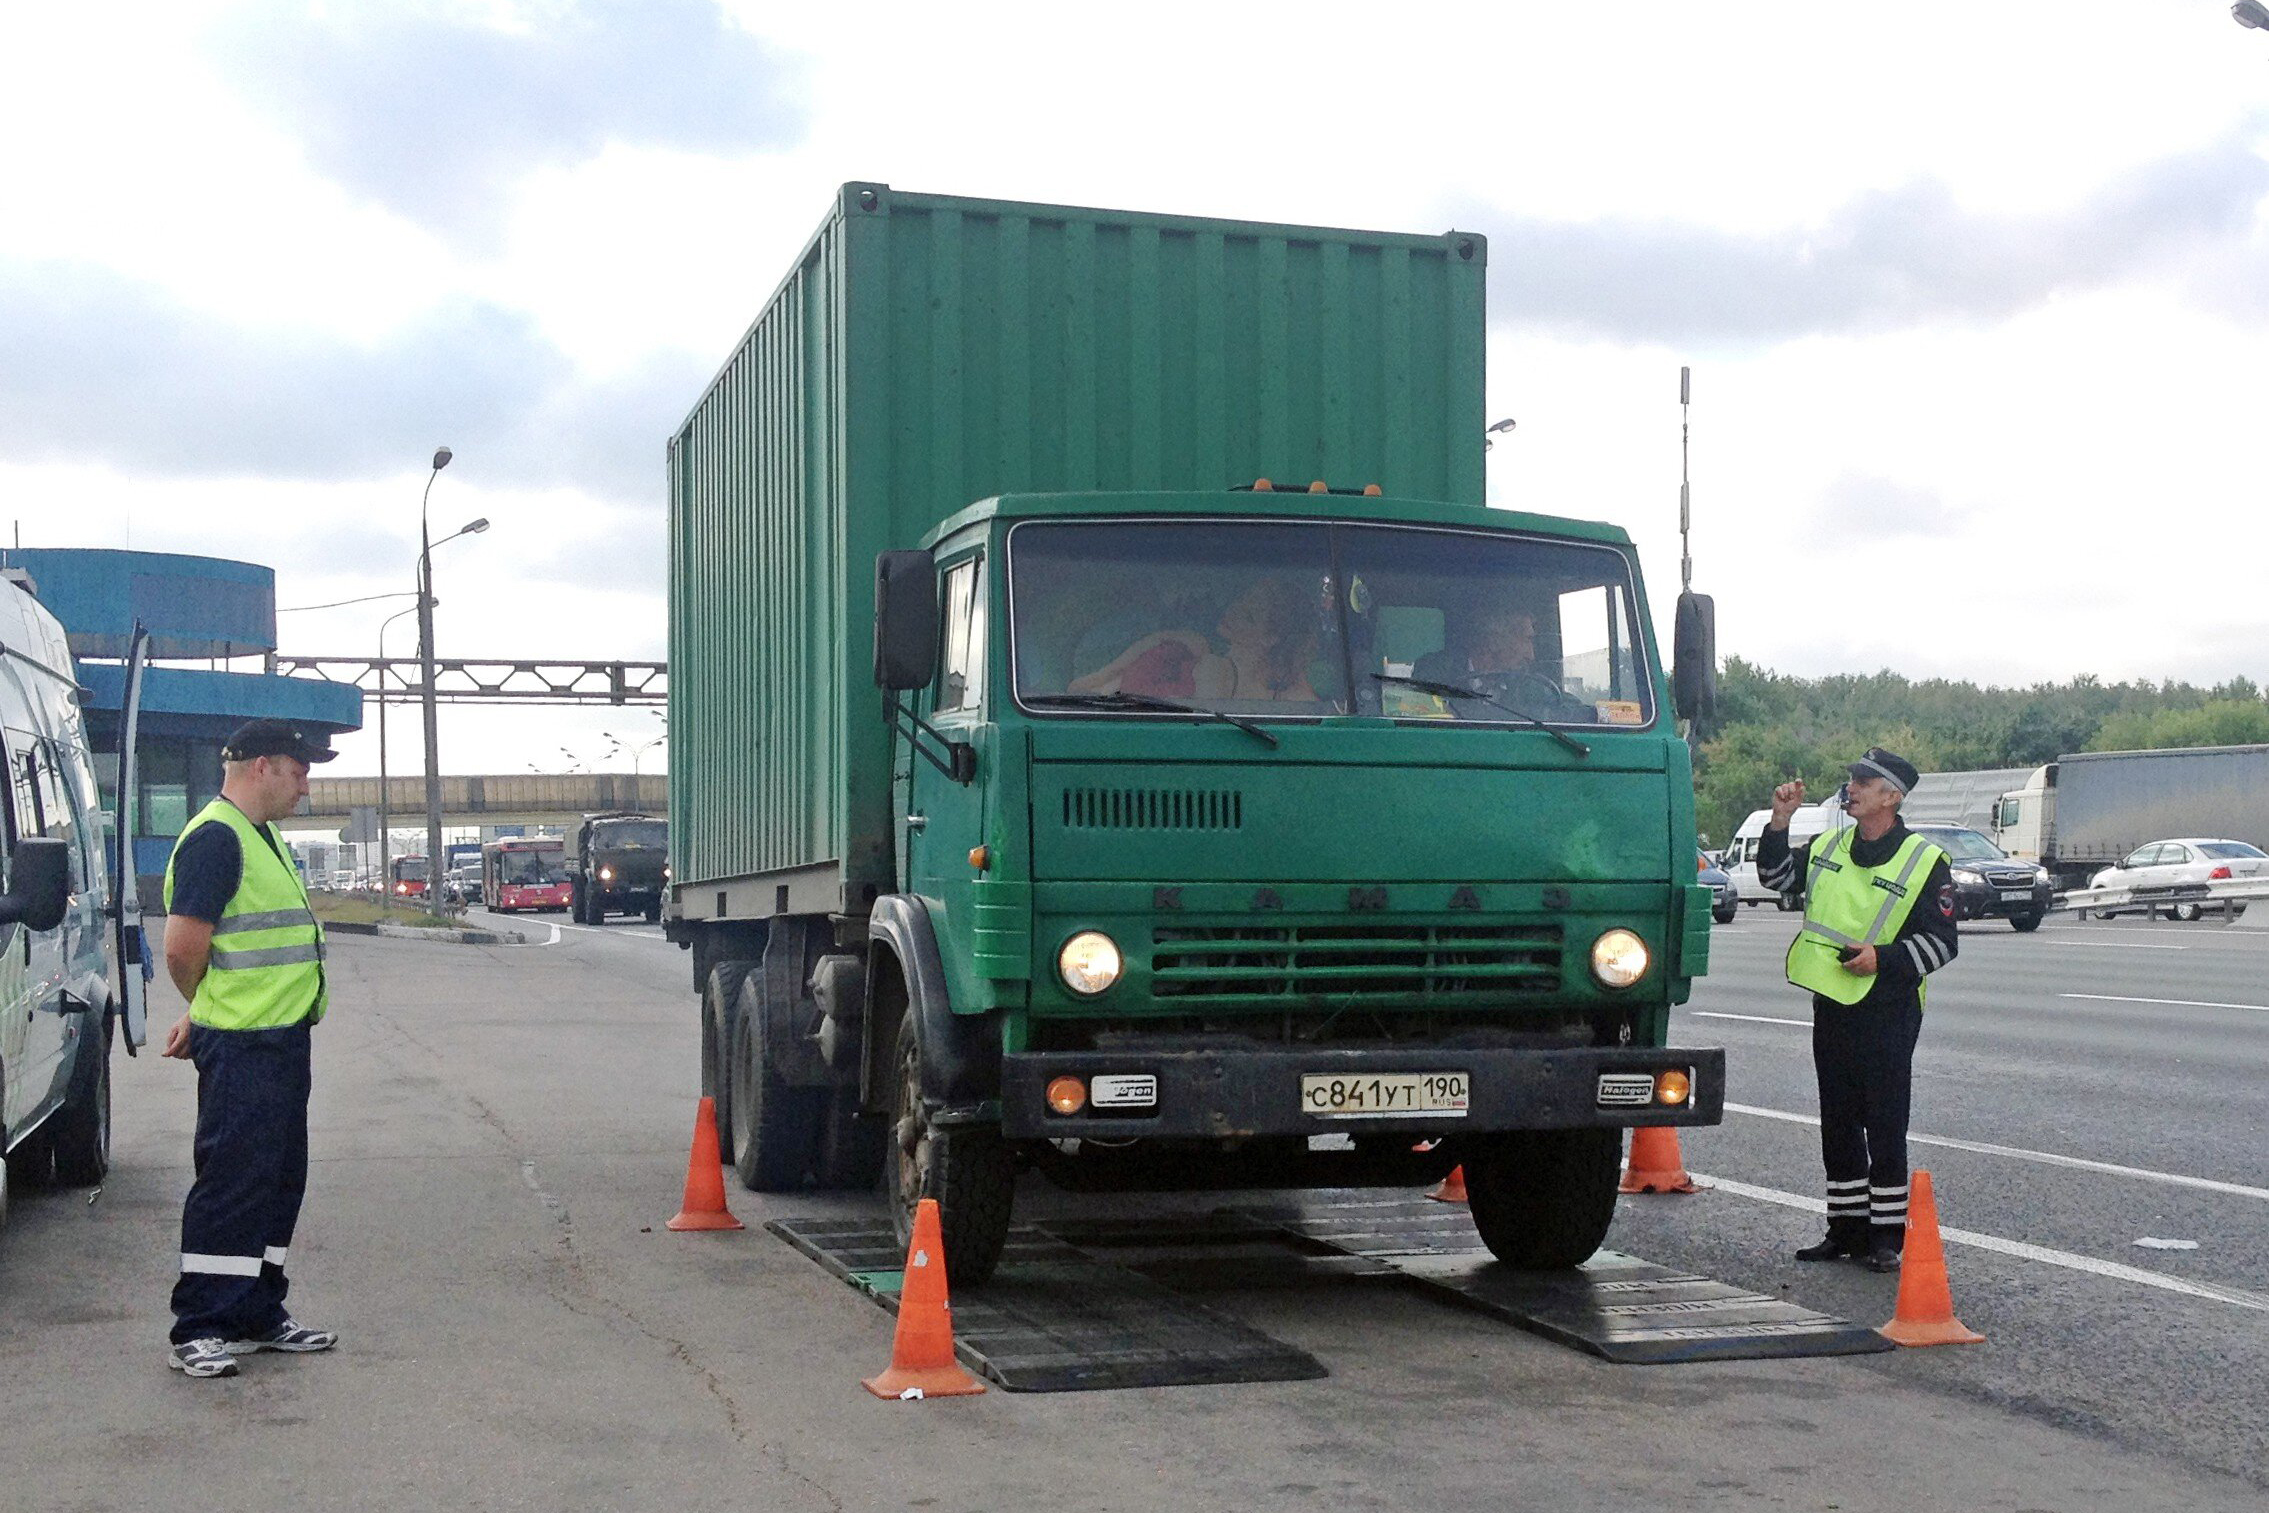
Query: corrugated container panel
<point x="927" y="352"/>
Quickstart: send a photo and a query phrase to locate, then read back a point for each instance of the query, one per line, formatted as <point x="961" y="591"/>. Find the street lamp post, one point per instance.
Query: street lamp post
<point x="637" y="751"/>
<point x="426" y="544"/>
<point x="385" y="806"/>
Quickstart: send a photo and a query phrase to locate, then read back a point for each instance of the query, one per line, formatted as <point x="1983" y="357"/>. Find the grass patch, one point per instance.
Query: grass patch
<point x="366" y="909"/>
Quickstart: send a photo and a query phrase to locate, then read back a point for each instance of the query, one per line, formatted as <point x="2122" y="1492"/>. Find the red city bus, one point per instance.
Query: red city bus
<point x="525" y="872"/>
<point x="406" y="876"/>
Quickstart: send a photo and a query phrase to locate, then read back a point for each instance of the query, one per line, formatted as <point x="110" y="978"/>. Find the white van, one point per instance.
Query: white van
<point x="69" y="949"/>
<point x="1741" y="857"/>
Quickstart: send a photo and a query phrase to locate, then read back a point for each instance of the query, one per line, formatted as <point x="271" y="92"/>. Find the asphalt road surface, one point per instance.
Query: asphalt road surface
<point x="499" y="1132"/>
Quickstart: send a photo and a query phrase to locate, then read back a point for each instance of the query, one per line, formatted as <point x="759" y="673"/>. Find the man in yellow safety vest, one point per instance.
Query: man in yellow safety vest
<point x="1878" y="919"/>
<point x="243" y="946"/>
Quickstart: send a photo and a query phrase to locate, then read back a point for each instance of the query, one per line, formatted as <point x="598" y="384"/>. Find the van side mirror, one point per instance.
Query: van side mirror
<point x="1694" y="669"/>
<point x="906" y="620"/>
<point x="42" y="892"/>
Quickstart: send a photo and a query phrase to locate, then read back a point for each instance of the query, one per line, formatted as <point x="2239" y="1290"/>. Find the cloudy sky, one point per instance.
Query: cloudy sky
<point x="1976" y="295"/>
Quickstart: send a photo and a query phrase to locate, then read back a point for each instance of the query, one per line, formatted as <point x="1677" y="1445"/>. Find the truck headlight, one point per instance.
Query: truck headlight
<point x="1089" y="963"/>
<point x="1618" y="958"/>
<point x="606" y="874"/>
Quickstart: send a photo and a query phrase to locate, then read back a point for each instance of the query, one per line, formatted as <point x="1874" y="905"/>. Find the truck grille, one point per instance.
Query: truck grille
<point x="1154" y="809"/>
<point x="1376" y="965"/>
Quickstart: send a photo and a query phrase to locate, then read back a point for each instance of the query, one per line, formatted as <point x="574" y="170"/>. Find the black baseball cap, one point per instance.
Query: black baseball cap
<point x="259" y="738"/>
<point x="1895" y="770"/>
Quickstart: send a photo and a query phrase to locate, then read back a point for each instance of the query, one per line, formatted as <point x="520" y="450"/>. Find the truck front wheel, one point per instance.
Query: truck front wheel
<point x="965" y="1167"/>
<point x="1543" y="1199"/>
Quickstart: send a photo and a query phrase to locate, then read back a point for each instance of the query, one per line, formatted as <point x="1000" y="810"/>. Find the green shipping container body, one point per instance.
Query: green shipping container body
<point x="926" y="352"/>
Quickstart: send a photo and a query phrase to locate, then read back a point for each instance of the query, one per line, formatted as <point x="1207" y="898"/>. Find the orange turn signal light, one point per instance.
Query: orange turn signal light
<point x="1067" y="1095"/>
<point x="980" y="857"/>
<point x="1671" y="1088"/>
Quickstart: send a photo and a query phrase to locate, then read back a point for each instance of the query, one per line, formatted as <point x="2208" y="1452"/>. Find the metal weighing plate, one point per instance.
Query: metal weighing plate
<point x="1054" y="1319"/>
<point x="1614" y="1306"/>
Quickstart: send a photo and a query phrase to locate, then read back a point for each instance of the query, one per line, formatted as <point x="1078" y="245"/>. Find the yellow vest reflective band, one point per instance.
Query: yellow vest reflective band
<point x="1846" y="904"/>
<point x="267" y="964"/>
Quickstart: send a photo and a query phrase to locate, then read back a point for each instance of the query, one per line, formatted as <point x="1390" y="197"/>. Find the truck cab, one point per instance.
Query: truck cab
<point x="1262" y="838"/>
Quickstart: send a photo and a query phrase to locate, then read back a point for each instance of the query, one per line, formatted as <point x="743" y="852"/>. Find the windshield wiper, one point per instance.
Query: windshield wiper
<point x="1145" y="701"/>
<point x="1456" y="691"/>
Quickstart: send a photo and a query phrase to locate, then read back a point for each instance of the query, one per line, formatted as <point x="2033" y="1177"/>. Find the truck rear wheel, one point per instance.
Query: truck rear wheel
<point x="720" y="1007"/>
<point x="775" y="1126"/>
<point x="653" y="911"/>
<point x="1543" y="1199"/>
<point x="967" y="1168"/>
<point x="82" y="1126"/>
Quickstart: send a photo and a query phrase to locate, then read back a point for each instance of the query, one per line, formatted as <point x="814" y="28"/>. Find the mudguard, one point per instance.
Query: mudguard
<point x="961" y="1053"/>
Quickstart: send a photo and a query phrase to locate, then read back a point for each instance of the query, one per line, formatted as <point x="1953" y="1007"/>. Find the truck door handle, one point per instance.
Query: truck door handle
<point x="917" y="821"/>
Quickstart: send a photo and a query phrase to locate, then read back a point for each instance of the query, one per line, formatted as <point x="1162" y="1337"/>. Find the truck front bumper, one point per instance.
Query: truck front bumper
<point x="1231" y="1094"/>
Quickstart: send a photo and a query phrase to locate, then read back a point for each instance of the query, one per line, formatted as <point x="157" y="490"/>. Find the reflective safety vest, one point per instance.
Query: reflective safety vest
<point x="1846" y="904"/>
<point x="266" y="969"/>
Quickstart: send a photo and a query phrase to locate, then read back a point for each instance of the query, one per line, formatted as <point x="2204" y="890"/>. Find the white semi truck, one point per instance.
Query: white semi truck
<point x="2085" y="811"/>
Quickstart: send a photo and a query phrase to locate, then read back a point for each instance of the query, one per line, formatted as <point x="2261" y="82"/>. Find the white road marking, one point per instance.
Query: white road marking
<point x="1802" y="1024"/>
<point x="2172" y="1003"/>
<point x="2114" y="945"/>
<point x="618" y="934"/>
<point x="2022" y="1250"/>
<point x="2044" y="1158"/>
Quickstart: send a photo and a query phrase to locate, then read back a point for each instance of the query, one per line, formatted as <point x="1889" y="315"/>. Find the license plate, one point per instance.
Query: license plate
<point x="1384" y="1095"/>
<point x="2016" y="895"/>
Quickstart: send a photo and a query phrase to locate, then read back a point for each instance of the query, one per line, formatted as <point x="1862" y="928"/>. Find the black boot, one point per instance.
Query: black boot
<point x="1830" y="1249"/>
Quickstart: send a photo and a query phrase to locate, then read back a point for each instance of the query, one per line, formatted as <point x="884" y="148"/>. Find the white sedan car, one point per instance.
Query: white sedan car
<point x="2183" y="864"/>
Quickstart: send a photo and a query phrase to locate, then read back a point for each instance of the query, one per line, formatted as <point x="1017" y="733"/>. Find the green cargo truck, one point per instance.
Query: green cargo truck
<point x="1110" y="736"/>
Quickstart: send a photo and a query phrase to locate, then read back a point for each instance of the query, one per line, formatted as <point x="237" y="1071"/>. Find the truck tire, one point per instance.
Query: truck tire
<point x="1543" y="1199"/>
<point x="2026" y="923"/>
<point x="967" y="1168"/>
<point x="654" y="911"/>
<point x="775" y="1126"/>
<point x="82" y="1126"/>
<point x="851" y="1149"/>
<point x="720" y="1006"/>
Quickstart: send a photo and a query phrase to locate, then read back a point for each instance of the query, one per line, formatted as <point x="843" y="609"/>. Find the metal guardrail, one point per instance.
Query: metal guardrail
<point x="2227" y="896"/>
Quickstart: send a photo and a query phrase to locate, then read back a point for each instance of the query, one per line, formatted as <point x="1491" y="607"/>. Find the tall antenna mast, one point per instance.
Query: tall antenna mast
<point x="1685" y="484"/>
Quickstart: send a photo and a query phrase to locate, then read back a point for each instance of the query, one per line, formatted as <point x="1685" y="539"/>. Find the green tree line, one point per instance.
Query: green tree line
<point x="1771" y="727"/>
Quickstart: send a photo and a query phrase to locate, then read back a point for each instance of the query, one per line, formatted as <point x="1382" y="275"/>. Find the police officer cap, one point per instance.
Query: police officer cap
<point x="259" y="738"/>
<point x="1895" y="770"/>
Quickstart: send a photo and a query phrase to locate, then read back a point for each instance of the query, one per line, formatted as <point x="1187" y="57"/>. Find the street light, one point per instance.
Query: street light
<point x="385" y="808"/>
<point x="2251" y="13"/>
<point x="433" y="852"/>
<point x="1501" y="428"/>
<point x="637" y="749"/>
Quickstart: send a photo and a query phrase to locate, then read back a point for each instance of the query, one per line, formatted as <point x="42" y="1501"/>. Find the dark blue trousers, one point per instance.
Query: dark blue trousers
<point x="1864" y="1055"/>
<point x="251" y="1154"/>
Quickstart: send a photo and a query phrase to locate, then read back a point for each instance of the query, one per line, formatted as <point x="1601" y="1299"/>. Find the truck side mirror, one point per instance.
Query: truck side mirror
<point x="1694" y="670"/>
<point x="906" y="620"/>
<point x="42" y="872"/>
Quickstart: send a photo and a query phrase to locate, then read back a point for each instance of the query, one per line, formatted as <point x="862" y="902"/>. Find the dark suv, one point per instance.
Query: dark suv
<point x="622" y="864"/>
<point x="1988" y="882"/>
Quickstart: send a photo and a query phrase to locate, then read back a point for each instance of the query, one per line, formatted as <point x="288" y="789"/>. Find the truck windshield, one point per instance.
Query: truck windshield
<point x="631" y="833"/>
<point x="1250" y="618"/>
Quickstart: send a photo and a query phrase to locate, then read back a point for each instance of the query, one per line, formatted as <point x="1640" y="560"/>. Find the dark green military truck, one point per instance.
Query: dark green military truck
<point x="622" y="864"/>
<point x="1111" y="738"/>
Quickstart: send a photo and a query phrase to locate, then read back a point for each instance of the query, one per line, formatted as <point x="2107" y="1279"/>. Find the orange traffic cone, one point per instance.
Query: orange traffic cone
<point x="705" y="1178"/>
<point x="1655" y="1165"/>
<point x="921" y="1353"/>
<point x="1451" y="1189"/>
<point x="1925" y="1315"/>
